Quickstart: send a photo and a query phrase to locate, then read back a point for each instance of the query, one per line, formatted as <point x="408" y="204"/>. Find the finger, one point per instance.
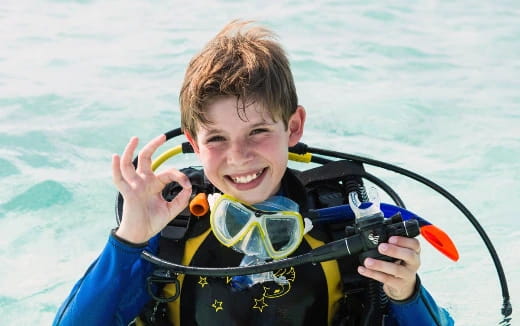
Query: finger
<point x="385" y="272"/>
<point x="181" y="200"/>
<point x="376" y="275"/>
<point x="398" y="280"/>
<point x="145" y="156"/>
<point x="117" y="177"/>
<point x="174" y="175"/>
<point x="126" y="166"/>
<point x="407" y="255"/>
<point x="405" y="242"/>
<point x="389" y="268"/>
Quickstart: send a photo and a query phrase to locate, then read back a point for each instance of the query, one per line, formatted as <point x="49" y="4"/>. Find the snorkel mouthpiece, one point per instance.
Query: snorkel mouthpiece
<point x="372" y="210"/>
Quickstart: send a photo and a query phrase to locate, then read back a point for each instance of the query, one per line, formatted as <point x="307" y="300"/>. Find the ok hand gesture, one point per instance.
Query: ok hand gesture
<point x="145" y="211"/>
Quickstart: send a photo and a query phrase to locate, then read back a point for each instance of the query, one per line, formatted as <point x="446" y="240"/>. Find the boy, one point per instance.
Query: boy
<point x="240" y="114"/>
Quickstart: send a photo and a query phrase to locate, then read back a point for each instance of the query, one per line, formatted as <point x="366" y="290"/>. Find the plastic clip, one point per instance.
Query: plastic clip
<point x="163" y="277"/>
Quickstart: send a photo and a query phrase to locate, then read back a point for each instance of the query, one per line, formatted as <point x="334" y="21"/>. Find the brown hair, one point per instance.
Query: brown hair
<point x="248" y="64"/>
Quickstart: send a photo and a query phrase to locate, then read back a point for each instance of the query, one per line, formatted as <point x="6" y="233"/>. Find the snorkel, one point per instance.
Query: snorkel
<point x="333" y="250"/>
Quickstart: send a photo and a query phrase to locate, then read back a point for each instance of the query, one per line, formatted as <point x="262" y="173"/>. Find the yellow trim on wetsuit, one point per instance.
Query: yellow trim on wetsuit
<point x="138" y="322"/>
<point x="333" y="277"/>
<point x="191" y="247"/>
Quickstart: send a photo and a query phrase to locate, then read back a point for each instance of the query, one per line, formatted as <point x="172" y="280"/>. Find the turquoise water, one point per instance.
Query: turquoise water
<point x="432" y="86"/>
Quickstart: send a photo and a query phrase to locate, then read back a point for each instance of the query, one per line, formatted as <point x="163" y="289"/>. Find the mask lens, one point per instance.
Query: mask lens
<point x="252" y="244"/>
<point x="236" y="218"/>
<point x="281" y="231"/>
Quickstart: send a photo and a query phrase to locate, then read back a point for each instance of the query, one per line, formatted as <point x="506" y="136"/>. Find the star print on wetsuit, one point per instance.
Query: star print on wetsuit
<point x="217" y="305"/>
<point x="260" y="304"/>
<point x="203" y="281"/>
<point x="276" y="290"/>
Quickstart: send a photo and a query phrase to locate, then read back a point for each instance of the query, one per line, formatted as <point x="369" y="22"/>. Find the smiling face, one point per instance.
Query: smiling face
<point x="245" y="156"/>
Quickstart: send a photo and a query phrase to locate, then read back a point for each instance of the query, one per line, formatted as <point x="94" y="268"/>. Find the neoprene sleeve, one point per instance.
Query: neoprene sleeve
<point x="420" y="309"/>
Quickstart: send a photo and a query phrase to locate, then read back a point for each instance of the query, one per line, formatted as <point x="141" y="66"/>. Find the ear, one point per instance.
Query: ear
<point x="295" y="125"/>
<point x="192" y="141"/>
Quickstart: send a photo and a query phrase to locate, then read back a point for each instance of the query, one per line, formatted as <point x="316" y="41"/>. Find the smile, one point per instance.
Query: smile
<point x="247" y="178"/>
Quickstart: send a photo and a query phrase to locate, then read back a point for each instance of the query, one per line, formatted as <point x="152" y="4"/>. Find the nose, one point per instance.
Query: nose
<point x="239" y="152"/>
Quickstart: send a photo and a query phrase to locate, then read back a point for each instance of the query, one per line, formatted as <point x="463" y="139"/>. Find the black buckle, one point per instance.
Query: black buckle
<point x="162" y="276"/>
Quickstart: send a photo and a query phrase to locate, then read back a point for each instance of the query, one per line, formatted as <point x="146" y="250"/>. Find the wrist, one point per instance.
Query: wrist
<point x="128" y="240"/>
<point x="411" y="297"/>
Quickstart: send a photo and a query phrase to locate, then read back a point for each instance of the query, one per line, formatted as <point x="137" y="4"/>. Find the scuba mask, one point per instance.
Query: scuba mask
<point x="272" y="229"/>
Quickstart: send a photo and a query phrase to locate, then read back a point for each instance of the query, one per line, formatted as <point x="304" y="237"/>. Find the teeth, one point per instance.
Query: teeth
<point x="246" y="178"/>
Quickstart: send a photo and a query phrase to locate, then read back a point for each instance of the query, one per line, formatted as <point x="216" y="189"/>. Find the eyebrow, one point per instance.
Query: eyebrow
<point x="211" y="132"/>
<point x="262" y="123"/>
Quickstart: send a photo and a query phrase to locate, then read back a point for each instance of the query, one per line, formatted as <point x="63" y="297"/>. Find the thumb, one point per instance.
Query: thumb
<point x="179" y="202"/>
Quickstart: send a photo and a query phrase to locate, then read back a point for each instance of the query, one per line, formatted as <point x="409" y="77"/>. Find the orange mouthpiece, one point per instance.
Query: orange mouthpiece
<point x="199" y="205"/>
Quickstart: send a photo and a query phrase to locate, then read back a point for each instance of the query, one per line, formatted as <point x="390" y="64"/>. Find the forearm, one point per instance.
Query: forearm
<point x="420" y="309"/>
<point x="113" y="289"/>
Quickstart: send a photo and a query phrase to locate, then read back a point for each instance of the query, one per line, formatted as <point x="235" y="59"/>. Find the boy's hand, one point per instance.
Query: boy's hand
<point x="398" y="277"/>
<point x="145" y="212"/>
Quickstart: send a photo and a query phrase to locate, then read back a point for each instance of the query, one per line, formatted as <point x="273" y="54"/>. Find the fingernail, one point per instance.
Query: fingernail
<point x="383" y="247"/>
<point x="361" y="270"/>
<point x="369" y="262"/>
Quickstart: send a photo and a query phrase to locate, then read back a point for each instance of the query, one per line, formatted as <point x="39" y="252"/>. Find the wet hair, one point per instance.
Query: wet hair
<point x="242" y="61"/>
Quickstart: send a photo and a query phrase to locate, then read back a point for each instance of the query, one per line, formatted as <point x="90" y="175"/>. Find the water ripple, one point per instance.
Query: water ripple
<point x="41" y="195"/>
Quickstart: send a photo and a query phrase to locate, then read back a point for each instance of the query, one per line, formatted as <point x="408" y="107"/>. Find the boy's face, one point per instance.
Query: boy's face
<point x="247" y="157"/>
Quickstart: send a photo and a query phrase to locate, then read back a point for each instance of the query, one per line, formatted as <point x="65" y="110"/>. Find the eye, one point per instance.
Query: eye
<point x="213" y="139"/>
<point x="258" y="131"/>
